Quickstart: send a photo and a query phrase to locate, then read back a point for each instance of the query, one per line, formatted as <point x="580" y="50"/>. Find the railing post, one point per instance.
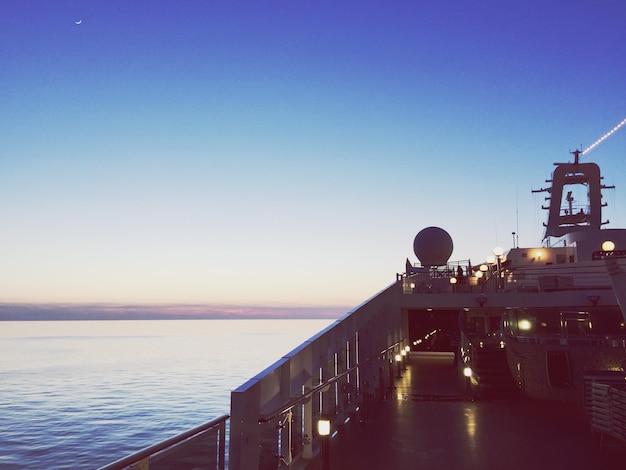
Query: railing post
<point x="222" y="447"/>
<point x="307" y="438"/>
<point x="307" y="406"/>
<point x="285" y="438"/>
<point x="366" y="403"/>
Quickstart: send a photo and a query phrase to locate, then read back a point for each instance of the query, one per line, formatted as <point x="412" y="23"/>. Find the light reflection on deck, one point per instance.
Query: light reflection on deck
<point x="428" y="424"/>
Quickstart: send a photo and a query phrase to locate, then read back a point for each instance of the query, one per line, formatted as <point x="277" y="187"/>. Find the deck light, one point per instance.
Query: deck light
<point x="323" y="426"/>
<point x="323" y="429"/>
<point x="467" y="372"/>
<point x="491" y="259"/>
<point x="608" y="246"/>
<point x="524" y="325"/>
<point x="498" y="252"/>
<point x="483" y="268"/>
<point x="453" y="280"/>
<point x="407" y="348"/>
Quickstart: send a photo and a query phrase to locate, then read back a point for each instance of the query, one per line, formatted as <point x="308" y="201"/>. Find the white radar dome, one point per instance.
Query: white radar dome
<point x="433" y="246"/>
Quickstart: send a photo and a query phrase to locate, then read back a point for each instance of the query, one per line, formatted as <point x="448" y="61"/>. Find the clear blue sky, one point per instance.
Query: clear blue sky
<point x="287" y="152"/>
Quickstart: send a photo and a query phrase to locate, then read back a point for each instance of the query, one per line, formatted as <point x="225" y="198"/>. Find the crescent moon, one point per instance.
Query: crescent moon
<point x="78" y="22"/>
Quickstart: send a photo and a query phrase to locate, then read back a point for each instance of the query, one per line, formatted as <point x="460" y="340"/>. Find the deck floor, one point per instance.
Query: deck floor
<point x="426" y="423"/>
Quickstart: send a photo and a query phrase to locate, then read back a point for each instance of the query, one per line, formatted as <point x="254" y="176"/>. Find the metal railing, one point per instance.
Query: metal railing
<point x="536" y="279"/>
<point x="274" y="415"/>
<point x="338" y="399"/>
<point x="204" y="444"/>
<point x="288" y="407"/>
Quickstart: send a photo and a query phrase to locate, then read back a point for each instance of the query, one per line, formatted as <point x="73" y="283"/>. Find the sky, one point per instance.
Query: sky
<point x="286" y="153"/>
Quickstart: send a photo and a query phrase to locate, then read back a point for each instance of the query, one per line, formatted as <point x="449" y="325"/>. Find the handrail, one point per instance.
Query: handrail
<point x="393" y="346"/>
<point x="304" y="397"/>
<point x="153" y="449"/>
<point x="544" y="278"/>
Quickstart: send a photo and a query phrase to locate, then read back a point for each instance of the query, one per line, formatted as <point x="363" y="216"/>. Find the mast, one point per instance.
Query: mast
<point x="565" y="214"/>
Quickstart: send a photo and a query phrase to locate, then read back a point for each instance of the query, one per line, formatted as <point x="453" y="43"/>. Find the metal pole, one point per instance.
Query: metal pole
<point x="325" y="452"/>
<point x="324" y="433"/>
<point x="399" y="365"/>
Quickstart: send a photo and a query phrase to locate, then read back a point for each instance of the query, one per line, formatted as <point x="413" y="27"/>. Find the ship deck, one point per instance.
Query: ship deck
<point x="427" y="422"/>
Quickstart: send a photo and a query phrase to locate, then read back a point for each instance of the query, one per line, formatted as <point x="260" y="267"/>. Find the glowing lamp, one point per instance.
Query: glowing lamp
<point x="467" y="372"/>
<point x="608" y="246"/>
<point x="323" y="427"/>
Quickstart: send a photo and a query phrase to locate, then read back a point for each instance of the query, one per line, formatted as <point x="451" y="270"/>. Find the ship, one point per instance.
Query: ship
<point x="552" y="313"/>
<point x="524" y="334"/>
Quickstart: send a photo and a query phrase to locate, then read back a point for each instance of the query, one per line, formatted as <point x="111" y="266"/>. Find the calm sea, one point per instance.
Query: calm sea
<point x="80" y="394"/>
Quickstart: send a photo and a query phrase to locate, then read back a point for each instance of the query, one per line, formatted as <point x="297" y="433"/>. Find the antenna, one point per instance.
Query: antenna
<point x="515" y="245"/>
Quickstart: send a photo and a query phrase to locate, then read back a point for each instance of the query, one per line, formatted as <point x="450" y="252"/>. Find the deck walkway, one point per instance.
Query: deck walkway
<point x="427" y="423"/>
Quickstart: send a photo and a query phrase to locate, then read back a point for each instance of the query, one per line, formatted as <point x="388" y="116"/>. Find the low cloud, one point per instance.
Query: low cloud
<point x="47" y="312"/>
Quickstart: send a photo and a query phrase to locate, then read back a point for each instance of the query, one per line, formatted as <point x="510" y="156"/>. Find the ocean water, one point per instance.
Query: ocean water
<point x="80" y="394"/>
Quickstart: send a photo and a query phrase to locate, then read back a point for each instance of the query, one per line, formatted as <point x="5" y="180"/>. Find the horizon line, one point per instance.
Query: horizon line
<point x="40" y="311"/>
